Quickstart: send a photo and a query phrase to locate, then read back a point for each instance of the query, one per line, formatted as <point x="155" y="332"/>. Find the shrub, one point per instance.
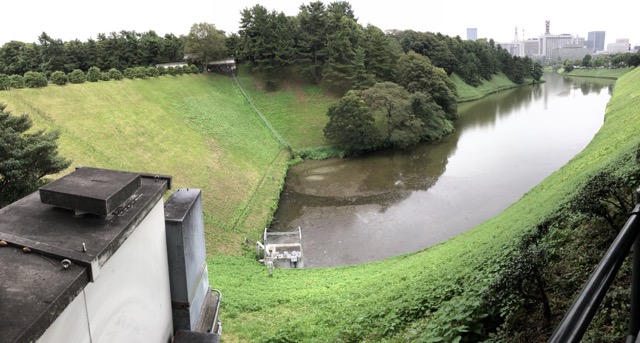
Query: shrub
<point x="115" y="74"/>
<point x="162" y="71"/>
<point x="152" y="72"/>
<point x="59" y="78"/>
<point x="194" y="69"/>
<point x="93" y="75"/>
<point x="140" y="72"/>
<point x="171" y="71"/>
<point x="77" y="76"/>
<point x="5" y="82"/>
<point x="34" y="79"/>
<point x="129" y="73"/>
<point x="104" y="76"/>
<point x="17" y="81"/>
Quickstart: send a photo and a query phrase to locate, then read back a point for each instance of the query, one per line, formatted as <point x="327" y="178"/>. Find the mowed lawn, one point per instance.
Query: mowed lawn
<point x="196" y="128"/>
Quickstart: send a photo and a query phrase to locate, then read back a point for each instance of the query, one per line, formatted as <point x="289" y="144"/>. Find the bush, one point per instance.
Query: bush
<point x="93" y="75"/>
<point x="130" y="73"/>
<point x="152" y="72"/>
<point x="17" y="81"/>
<point x="77" y="76"/>
<point x="140" y="72"/>
<point x="162" y="71"/>
<point x="59" y="78"/>
<point x="194" y="69"/>
<point x="5" y="82"/>
<point x="115" y="74"/>
<point x="34" y="79"/>
<point x="171" y="71"/>
<point x="104" y="76"/>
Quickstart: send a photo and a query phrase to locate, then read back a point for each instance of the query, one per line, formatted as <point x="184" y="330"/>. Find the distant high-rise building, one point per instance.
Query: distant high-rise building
<point x="472" y="33"/>
<point x="549" y="42"/>
<point x="621" y="45"/>
<point x="532" y="47"/>
<point x="595" y="40"/>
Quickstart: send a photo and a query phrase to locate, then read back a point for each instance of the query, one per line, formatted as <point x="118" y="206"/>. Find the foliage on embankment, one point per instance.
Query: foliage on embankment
<point x="605" y="73"/>
<point x="433" y="295"/>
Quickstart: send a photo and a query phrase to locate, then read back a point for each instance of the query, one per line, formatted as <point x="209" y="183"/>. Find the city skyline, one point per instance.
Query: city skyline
<point x="26" y="20"/>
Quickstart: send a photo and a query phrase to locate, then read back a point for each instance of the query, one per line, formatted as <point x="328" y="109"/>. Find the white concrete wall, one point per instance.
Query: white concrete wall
<point x="131" y="300"/>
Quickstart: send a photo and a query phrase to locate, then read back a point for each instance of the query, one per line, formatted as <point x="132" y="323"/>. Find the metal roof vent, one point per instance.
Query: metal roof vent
<point x="91" y="190"/>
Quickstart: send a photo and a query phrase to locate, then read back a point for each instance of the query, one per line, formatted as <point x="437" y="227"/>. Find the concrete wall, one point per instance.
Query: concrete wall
<point x="131" y="300"/>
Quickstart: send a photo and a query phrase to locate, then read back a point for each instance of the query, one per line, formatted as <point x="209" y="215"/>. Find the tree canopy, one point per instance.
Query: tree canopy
<point x="204" y="44"/>
<point x="25" y="158"/>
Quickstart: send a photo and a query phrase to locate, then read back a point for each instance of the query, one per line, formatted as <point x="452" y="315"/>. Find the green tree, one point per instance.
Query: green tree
<point x="634" y="60"/>
<point x="586" y="61"/>
<point x="351" y="125"/>
<point x="5" y="82"/>
<point x="34" y="79"/>
<point x="342" y="48"/>
<point x="77" y="76"/>
<point x="536" y="71"/>
<point x="435" y="123"/>
<point x="568" y="66"/>
<point x="391" y="103"/>
<point x="93" y="75"/>
<point x="416" y="73"/>
<point x="381" y="52"/>
<point x="204" y="44"/>
<point x="17" y="81"/>
<point x="51" y="54"/>
<point x="312" y="39"/>
<point x="25" y="158"/>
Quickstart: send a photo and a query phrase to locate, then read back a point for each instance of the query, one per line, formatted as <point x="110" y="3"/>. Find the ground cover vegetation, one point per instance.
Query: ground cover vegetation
<point x="462" y="289"/>
<point x="322" y="44"/>
<point x="509" y="279"/>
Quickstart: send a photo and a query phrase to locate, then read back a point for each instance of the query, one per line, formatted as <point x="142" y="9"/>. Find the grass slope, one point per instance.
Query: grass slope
<point x="417" y="295"/>
<point x="604" y="73"/>
<point x="200" y="130"/>
<point x="468" y="93"/>
<point x="196" y="128"/>
<point x="297" y="111"/>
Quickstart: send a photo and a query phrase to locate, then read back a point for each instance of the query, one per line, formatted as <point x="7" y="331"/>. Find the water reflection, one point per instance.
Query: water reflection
<point x="366" y="208"/>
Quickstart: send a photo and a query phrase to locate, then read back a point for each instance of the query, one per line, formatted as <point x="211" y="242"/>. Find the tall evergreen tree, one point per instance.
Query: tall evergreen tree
<point x="312" y="39"/>
<point x="25" y="157"/>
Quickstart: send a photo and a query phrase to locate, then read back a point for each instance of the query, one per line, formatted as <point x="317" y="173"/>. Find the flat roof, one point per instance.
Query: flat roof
<point x="35" y="287"/>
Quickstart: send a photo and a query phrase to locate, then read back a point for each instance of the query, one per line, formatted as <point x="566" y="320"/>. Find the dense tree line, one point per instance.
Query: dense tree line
<point x="326" y="43"/>
<point x="396" y="84"/>
<point x="620" y="60"/>
<point x="119" y="50"/>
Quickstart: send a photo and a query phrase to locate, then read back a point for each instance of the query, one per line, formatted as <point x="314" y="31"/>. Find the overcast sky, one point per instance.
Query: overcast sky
<point x="25" y="20"/>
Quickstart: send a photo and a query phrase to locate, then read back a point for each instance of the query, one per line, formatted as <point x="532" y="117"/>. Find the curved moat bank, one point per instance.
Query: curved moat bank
<point x="362" y="209"/>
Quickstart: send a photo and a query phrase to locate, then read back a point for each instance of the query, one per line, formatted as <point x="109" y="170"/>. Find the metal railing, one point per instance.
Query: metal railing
<point x="579" y="316"/>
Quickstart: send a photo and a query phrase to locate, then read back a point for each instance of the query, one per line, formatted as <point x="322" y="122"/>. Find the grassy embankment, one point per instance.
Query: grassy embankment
<point x="199" y="129"/>
<point x="468" y="93"/>
<point x="196" y="128"/>
<point x="604" y="73"/>
<point x="421" y="294"/>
